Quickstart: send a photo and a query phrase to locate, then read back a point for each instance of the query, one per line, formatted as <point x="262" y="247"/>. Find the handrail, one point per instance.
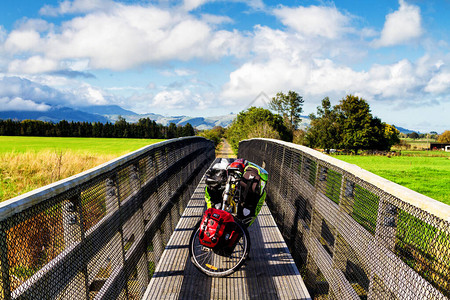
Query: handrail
<point x="24" y="201"/>
<point x="439" y="209"/>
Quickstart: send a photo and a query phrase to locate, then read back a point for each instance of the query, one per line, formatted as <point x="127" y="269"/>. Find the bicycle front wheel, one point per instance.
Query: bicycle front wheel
<point x="219" y="262"/>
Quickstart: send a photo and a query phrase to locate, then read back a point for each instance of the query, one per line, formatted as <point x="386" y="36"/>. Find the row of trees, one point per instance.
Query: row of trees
<point x="144" y="128"/>
<point x="414" y="135"/>
<point x="348" y="125"/>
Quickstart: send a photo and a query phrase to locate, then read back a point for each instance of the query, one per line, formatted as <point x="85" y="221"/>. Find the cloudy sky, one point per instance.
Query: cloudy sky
<point x="213" y="57"/>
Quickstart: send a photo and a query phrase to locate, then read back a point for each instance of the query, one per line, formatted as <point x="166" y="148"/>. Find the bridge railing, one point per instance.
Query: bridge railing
<point x="99" y="234"/>
<point x="354" y="235"/>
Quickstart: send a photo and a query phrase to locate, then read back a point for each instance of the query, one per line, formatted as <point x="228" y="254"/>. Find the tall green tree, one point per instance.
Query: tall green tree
<point x="172" y="131"/>
<point x="289" y="106"/>
<point x="324" y="130"/>
<point x="188" y="130"/>
<point x="356" y="123"/>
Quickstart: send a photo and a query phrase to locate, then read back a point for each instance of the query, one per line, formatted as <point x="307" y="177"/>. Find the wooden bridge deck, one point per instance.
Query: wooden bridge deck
<point x="270" y="273"/>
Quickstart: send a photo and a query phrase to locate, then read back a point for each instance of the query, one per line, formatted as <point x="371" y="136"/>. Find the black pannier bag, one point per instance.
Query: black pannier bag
<point x="215" y="180"/>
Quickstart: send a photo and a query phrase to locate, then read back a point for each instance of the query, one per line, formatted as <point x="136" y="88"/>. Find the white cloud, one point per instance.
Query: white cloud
<point x="19" y="104"/>
<point x="286" y="60"/>
<point x="178" y="72"/>
<point x="69" y="93"/>
<point x="440" y="83"/>
<point x="171" y="99"/>
<point x="74" y="7"/>
<point x="88" y="95"/>
<point x="12" y="87"/>
<point x="193" y="4"/>
<point x="282" y="69"/>
<point x="33" y="65"/>
<point x="23" y="41"/>
<point x="3" y="34"/>
<point x="401" y="26"/>
<point x="38" y="25"/>
<point x="215" y="19"/>
<point x="271" y="76"/>
<point x="391" y="81"/>
<point x="122" y="37"/>
<point x="321" y="21"/>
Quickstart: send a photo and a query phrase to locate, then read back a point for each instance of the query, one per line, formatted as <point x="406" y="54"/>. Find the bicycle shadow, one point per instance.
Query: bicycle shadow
<point x="264" y="276"/>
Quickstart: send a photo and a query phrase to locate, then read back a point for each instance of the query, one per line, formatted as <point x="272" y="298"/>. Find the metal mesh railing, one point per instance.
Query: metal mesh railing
<point x="99" y="234"/>
<point x="353" y="234"/>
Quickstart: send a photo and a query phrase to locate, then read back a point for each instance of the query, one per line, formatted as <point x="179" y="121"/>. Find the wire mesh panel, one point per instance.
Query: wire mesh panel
<point x="353" y="234"/>
<point x="99" y="234"/>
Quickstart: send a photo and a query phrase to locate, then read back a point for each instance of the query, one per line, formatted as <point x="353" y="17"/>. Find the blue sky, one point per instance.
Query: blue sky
<point x="213" y="57"/>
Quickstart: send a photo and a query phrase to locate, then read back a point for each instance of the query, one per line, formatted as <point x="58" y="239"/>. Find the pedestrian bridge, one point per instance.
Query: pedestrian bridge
<point x="120" y="231"/>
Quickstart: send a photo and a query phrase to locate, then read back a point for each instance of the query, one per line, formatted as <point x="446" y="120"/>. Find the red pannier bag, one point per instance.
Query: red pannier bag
<point x="217" y="228"/>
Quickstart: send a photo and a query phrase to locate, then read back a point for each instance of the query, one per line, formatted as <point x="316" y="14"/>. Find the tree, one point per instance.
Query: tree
<point x="215" y="134"/>
<point x="172" y="131"/>
<point x="188" y="130"/>
<point x="263" y="129"/>
<point x="324" y="130"/>
<point x="289" y="106"/>
<point x="413" y="135"/>
<point x="391" y="135"/>
<point x="247" y="123"/>
<point x="357" y="127"/>
<point x="444" y="137"/>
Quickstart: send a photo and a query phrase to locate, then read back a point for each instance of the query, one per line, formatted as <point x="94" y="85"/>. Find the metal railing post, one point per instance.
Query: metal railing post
<point x="6" y="282"/>
<point x="73" y="234"/>
<point x="137" y="228"/>
<point x="385" y="232"/>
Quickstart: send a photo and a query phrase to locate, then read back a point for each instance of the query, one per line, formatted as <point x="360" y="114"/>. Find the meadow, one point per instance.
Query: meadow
<point x="27" y="163"/>
<point x="426" y="172"/>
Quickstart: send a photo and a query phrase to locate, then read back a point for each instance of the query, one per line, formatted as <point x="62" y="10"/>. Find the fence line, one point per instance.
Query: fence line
<point x="353" y="234"/>
<point x="99" y="234"/>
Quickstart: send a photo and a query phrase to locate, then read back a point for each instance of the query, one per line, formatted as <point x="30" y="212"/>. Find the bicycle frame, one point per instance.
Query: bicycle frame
<point x="232" y="192"/>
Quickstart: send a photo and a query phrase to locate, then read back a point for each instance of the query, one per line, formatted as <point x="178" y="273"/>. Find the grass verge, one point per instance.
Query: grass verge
<point x="27" y="163"/>
<point x="420" y="172"/>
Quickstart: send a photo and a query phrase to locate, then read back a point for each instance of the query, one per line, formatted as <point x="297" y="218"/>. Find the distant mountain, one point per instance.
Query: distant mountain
<point x="54" y="114"/>
<point x="404" y="130"/>
<point x="106" y="110"/>
<point x="110" y="113"/>
<point x="200" y="123"/>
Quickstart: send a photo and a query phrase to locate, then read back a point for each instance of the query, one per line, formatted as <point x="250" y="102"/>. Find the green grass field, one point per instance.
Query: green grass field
<point x="420" y="171"/>
<point x="27" y="163"/>
<point x="22" y="144"/>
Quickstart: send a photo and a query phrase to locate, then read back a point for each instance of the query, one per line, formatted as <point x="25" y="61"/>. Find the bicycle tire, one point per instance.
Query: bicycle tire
<point x="218" y="262"/>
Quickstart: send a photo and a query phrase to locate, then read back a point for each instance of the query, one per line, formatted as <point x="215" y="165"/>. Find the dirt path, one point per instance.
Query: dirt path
<point x="225" y="150"/>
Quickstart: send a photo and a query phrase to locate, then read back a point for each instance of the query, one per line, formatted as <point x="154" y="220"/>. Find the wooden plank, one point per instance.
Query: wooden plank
<point x="269" y="274"/>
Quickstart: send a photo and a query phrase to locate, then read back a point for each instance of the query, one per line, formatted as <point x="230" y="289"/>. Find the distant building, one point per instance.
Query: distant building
<point x="440" y="146"/>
